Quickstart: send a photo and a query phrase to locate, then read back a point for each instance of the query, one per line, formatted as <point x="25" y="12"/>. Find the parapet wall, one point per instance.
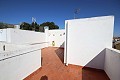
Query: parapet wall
<point x="56" y="38"/>
<point x="10" y="47"/>
<point x="17" y="36"/>
<point x="112" y="63"/>
<point x="18" y="64"/>
<point x="26" y="37"/>
<point x="22" y="54"/>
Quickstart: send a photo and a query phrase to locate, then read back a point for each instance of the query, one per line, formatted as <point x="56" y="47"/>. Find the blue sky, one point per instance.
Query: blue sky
<point x="16" y="11"/>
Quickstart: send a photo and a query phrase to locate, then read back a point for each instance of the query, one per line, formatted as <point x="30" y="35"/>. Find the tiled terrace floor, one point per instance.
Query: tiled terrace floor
<point x="54" y="69"/>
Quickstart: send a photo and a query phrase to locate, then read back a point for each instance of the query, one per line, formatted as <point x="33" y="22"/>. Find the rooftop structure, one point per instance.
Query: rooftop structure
<point x="81" y="51"/>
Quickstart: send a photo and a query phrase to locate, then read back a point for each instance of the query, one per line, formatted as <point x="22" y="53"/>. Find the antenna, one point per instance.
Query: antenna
<point x="76" y="11"/>
<point x="33" y="19"/>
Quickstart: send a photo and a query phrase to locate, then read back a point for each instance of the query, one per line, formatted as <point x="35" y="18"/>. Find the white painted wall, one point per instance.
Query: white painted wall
<point x="8" y="34"/>
<point x="2" y="34"/>
<point x="26" y="37"/>
<point x="98" y="61"/>
<point x="22" y="54"/>
<point x="11" y="47"/>
<point x="46" y="29"/>
<point x="20" y="37"/>
<point x="17" y="65"/>
<point x="17" y="26"/>
<point x="86" y="38"/>
<point x="112" y="63"/>
<point x="58" y="36"/>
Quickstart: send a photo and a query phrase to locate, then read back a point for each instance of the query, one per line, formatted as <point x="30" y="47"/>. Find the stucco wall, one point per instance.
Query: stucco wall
<point x="112" y="63"/>
<point x="26" y="37"/>
<point x="11" y="47"/>
<point x="2" y="34"/>
<point x="58" y="36"/>
<point x="98" y="61"/>
<point x="20" y="37"/>
<point x="86" y="38"/>
<point x="16" y="65"/>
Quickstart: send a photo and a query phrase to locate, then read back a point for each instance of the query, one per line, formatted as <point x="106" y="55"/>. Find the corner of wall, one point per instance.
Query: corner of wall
<point x="8" y="35"/>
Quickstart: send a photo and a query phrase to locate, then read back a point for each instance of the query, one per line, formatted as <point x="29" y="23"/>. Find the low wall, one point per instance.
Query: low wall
<point x="17" y="36"/>
<point x="98" y="61"/>
<point x="58" y="36"/>
<point x="10" y="47"/>
<point x="26" y="37"/>
<point x="112" y="63"/>
<point x="16" y="65"/>
<point x="3" y="34"/>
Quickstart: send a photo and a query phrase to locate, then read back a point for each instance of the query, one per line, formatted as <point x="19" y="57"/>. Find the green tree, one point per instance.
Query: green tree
<point x="35" y="26"/>
<point x="51" y="25"/>
<point x="2" y="25"/>
<point x="25" y="26"/>
<point x="5" y="25"/>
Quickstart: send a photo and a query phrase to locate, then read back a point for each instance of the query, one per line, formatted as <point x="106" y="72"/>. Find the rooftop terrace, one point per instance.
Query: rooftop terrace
<point x="54" y="69"/>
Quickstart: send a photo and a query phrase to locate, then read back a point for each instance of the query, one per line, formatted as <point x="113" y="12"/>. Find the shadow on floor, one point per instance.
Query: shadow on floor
<point x="93" y="74"/>
<point x="60" y="54"/>
<point x="94" y="69"/>
<point x="71" y="72"/>
<point x="44" y="78"/>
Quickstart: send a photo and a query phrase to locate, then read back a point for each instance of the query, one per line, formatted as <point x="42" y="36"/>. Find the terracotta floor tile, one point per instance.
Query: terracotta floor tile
<point x="54" y="69"/>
